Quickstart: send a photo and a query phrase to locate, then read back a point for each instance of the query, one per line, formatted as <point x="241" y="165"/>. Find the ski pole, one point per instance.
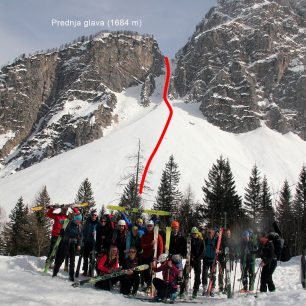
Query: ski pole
<point x="260" y="270"/>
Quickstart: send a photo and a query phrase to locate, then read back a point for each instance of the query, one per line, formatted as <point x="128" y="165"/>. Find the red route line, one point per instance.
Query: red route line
<point x="165" y="127"/>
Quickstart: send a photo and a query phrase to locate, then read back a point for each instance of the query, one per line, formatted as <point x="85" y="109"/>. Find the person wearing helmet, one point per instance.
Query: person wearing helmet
<point x="166" y="287"/>
<point x="197" y="249"/>
<point x="89" y="240"/>
<point x="104" y="234"/>
<point x="108" y="263"/>
<point x="119" y="239"/>
<point x="131" y="280"/>
<point x="147" y="245"/>
<point x="178" y="246"/>
<point x="70" y="243"/>
<point x="248" y="251"/>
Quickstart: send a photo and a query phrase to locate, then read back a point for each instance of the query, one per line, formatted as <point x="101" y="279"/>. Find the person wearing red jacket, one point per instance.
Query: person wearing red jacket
<point x="166" y="287"/>
<point x="107" y="264"/>
<point x="57" y="225"/>
<point x="147" y="244"/>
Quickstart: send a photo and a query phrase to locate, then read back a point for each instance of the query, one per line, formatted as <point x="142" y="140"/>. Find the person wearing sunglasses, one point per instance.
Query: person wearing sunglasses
<point x="129" y="283"/>
<point x="104" y="234"/>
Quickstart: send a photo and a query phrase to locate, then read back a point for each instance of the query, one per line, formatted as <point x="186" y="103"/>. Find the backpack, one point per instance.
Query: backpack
<point x="281" y="249"/>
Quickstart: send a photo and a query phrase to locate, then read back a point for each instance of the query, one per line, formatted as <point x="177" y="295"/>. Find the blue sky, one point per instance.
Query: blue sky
<point x="25" y="25"/>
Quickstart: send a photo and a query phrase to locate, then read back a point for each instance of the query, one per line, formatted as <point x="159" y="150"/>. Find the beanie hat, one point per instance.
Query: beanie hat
<point x="175" y="224"/>
<point x="77" y="217"/>
<point x="246" y="234"/>
<point x="194" y="230"/>
<point x="139" y="220"/>
<point x="135" y="227"/>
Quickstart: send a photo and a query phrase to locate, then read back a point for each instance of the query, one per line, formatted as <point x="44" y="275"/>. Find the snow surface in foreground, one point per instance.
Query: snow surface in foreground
<point x="195" y="143"/>
<point x="22" y="282"/>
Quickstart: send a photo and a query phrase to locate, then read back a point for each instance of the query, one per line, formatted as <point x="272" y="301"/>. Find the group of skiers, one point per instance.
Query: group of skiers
<point x="128" y="245"/>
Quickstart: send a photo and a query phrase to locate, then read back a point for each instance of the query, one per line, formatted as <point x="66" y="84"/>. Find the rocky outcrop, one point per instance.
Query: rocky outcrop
<point x="53" y="102"/>
<point x="245" y="64"/>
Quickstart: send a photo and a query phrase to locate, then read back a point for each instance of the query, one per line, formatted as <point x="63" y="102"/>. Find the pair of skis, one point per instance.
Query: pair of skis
<point x="94" y="280"/>
<point x="136" y="210"/>
<point x="41" y="207"/>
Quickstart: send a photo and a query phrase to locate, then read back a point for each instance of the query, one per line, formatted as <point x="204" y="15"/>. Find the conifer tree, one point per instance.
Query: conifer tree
<point x="253" y="198"/>
<point x="285" y="213"/>
<point x="43" y="199"/>
<point x="267" y="214"/>
<point x="168" y="194"/>
<point x="186" y="214"/>
<point x="220" y="197"/>
<point x="130" y="197"/>
<point x="85" y="195"/>
<point x="299" y="211"/>
<point x="102" y="211"/>
<point x="15" y="232"/>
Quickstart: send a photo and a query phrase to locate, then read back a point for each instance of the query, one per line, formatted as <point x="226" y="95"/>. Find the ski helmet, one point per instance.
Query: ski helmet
<point x="121" y="223"/>
<point x="163" y="257"/>
<point x="151" y="222"/>
<point x="246" y="234"/>
<point x="194" y="230"/>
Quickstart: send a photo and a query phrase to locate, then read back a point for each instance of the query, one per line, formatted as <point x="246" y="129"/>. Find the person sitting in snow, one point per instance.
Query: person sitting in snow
<point x="108" y="263"/>
<point x="166" y="287"/>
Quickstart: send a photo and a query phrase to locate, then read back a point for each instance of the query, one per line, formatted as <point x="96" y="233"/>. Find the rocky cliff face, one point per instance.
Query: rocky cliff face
<point x="50" y="103"/>
<point x="245" y="64"/>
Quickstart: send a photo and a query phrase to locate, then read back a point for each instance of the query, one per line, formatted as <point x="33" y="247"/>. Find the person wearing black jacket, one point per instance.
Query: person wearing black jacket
<point x="104" y="234"/>
<point x="132" y="279"/>
<point x="269" y="263"/>
<point x="197" y="249"/>
<point x="89" y="240"/>
<point x="70" y="243"/>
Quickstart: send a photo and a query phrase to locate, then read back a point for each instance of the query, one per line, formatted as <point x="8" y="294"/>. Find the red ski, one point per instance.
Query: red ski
<point x="213" y="270"/>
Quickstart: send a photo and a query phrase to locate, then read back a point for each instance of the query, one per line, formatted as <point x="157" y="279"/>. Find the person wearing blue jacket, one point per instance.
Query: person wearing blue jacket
<point x="133" y="240"/>
<point x="89" y="240"/>
<point x="139" y="223"/>
<point x="210" y="244"/>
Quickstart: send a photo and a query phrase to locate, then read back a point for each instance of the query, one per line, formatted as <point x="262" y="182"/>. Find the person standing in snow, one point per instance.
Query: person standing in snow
<point x="139" y="223"/>
<point x="104" y="234"/>
<point x="70" y="243"/>
<point x="269" y="263"/>
<point x="57" y="225"/>
<point x="89" y="241"/>
<point x="119" y="239"/>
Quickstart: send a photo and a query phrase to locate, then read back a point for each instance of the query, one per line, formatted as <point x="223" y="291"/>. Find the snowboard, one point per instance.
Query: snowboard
<point x="213" y="270"/>
<point x="50" y="259"/>
<point x="303" y="271"/>
<point x="94" y="280"/>
<point x="39" y="208"/>
<point x="136" y="210"/>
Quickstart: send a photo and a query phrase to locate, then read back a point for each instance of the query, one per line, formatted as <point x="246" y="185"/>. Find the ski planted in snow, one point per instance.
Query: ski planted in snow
<point x="187" y="269"/>
<point x="168" y="236"/>
<point x="227" y="287"/>
<point x="94" y="280"/>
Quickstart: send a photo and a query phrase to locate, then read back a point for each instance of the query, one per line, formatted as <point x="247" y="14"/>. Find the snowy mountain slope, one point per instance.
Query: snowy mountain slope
<point x="195" y="143"/>
<point x="23" y="283"/>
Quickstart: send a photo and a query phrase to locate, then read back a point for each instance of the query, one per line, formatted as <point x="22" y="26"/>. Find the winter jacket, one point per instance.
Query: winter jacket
<point x="141" y="228"/>
<point x="88" y="230"/>
<point x="230" y="244"/>
<point x="105" y="265"/>
<point x="57" y="225"/>
<point x="178" y="245"/>
<point x="133" y="241"/>
<point x="170" y="274"/>
<point x="210" y="249"/>
<point x="197" y="249"/>
<point x="119" y="239"/>
<point x="267" y="253"/>
<point x="248" y="251"/>
<point x="148" y="249"/>
<point x="104" y="236"/>
<point x="72" y="233"/>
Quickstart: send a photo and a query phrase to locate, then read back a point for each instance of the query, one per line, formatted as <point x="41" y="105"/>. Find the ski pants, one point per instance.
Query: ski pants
<point x="107" y="284"/>
<point x="65" y="248"/>
<point x="196" y="265"/>
<point x="129" y="282"/>
<point x="221" y="269"/>
<point x="163" y="289"/>
<point x="88" y="248"/>
<point x="208" y="266"/>
<point x="52" y="243"/>
<point x="248" y="274"/>
<point x="266" y="276"/>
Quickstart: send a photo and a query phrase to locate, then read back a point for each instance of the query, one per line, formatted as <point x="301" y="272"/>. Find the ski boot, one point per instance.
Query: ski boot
<point x="204" y="292"/>
<point x="212" y="292"/>
<point x="194" y="294"/>
<point x="173" y="296"/>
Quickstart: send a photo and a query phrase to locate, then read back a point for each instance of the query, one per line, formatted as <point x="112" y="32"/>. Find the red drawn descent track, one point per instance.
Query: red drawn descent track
<point x="165" y="127"/>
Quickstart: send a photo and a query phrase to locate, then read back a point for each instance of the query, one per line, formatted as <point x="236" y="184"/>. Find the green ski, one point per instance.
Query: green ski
<point x="135" y="210"/>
